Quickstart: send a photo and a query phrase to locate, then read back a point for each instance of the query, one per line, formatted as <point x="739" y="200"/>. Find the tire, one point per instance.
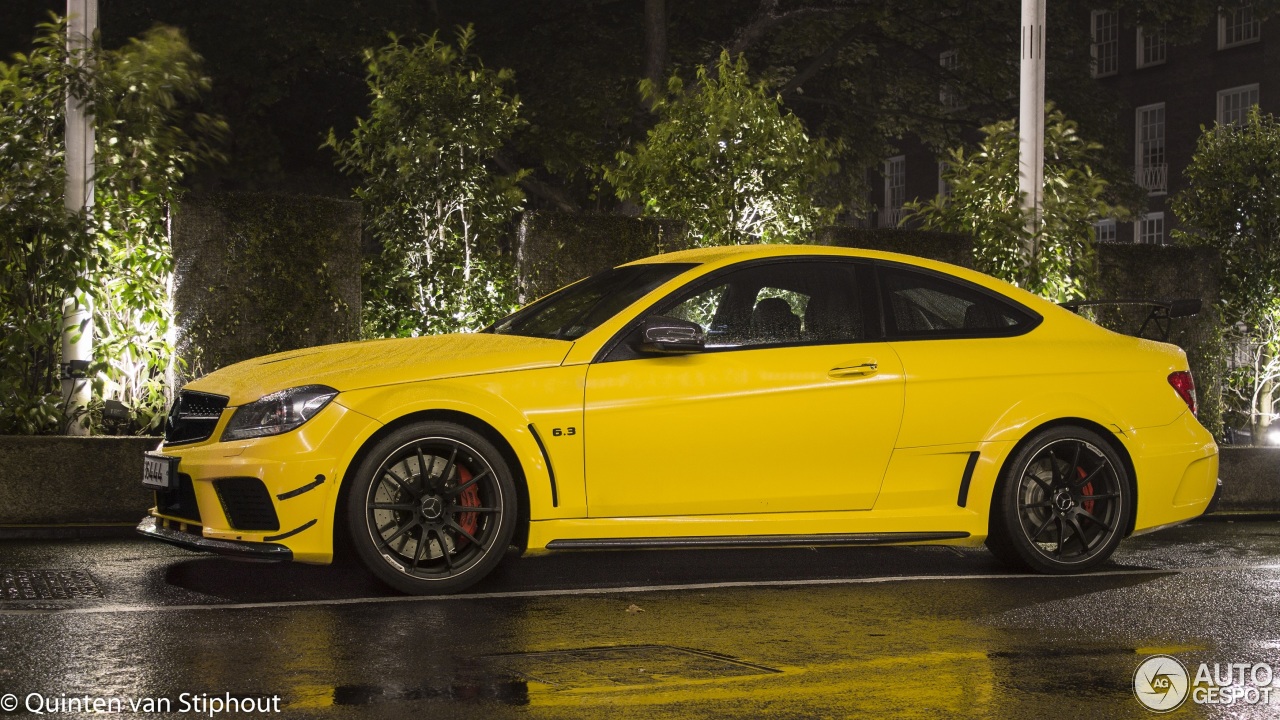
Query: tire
<point x="1062" y="504"/>
<point x="436" y="532"/>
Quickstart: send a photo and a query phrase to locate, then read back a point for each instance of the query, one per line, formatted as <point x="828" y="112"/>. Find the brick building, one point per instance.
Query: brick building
<point x="1169" y="90"/>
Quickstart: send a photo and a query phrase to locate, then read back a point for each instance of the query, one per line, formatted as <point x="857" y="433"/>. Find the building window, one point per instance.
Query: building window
<point x="1106" y="42"/>
<point x="1234" y="104"/>
<point x="1238" y="27"/>
<point x="1151" y="170"/>
<point x="948" y="96"/>
<point x="944" y="187"/>
<point x="1149" y="229"/>
<point x="895" y="191"/>
<point x="1152" y="49"/>
<point x="1104" y="231"/>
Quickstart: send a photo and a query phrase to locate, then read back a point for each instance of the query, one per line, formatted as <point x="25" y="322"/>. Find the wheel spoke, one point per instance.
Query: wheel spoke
<point x="1084" y="543"/>
<point x="408" y="526"/>
<point x="403" y="485"/>
<point x="455" y="492"/>
<point x="1025" y="506"/>
<point x="1075" y="462"/>
<point x="417" y="554"/>
<point x="1107" y="496"/>
<point x="1062" y="533"/>
<point x="407" y="507"/>
<point x="1048" y="489"/>
<point x="468" y="509"/>
<point x="422" y="467"/>
<point x="1093" y="519"/>
<point x="1041" y="529"/>
<point x="458" y="528"/>
<point x="1089" y="478"/>
<point x="1053" y="467"/>
<point x="444" y="548"/>
<point x="450" y="466"/>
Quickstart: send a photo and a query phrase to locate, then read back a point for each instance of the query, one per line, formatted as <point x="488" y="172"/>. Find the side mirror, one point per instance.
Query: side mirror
<point x="669" y="336"/>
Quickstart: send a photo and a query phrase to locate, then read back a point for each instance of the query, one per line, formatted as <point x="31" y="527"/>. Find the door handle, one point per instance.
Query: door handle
<point x="865" y="366"/>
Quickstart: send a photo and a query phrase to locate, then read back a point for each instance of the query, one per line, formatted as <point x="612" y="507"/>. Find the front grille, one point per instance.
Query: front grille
<point x="194" y="417"/>
<point x="247" y="503"/>
<point x="180" y="502"/>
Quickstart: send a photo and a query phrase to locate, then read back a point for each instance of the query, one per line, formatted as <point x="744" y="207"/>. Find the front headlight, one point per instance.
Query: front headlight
<point x="278" y="412"/>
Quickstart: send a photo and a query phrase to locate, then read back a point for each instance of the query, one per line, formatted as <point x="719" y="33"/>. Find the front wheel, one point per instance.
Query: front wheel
<point x="1062" y="504"/>
<point x="432" y="509"/>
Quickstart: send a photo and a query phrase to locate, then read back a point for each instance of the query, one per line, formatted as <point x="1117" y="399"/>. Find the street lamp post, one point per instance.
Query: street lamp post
<point x="1031" y="119"/>
<point x="77" y="314"/>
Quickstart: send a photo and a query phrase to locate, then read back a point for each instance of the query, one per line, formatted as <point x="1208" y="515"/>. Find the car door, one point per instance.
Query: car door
<point x="963" y="352"/>
<point x="788" y="409"/>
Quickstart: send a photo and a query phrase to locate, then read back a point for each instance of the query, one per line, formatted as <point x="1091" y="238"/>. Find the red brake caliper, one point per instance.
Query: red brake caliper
<point x="1087" y="505"/>
<point x="469" y="498"/>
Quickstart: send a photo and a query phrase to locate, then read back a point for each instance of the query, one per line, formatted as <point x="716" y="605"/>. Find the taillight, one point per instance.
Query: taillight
<point x="1186" y="387"/>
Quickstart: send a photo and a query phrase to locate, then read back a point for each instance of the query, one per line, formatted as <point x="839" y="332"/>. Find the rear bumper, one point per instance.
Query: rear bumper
<point x="1177" y="472"/>
<point x="150" y="527"/>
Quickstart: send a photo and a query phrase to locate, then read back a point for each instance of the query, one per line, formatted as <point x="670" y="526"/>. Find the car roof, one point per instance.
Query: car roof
<point x="725" y="255"/>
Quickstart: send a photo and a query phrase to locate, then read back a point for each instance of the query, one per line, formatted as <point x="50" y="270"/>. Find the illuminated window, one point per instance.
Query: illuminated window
<point x="1106" y="42"/>
<point x="1234" y="104"/>
<point x="1149" y="229"/>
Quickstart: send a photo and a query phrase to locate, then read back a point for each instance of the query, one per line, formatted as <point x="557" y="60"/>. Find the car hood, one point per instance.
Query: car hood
<point x="355" y="365"/>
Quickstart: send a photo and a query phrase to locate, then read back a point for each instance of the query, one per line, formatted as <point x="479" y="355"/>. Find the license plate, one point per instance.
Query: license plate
<point x="159" y="472"/>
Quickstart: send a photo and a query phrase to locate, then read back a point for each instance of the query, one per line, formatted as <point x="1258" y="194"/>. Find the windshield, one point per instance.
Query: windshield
<point x="573" y="311"/>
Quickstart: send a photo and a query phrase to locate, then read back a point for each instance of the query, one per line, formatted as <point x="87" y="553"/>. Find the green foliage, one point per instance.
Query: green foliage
<point x="1232" y="203"/>
<point x="727" y="159"/>
<point x="119" y="254"/>
<point x="148" y="139"/>
<point x="1057" y="260"/>
<point x="437" y="117"/>
<point x="44" y="251"/>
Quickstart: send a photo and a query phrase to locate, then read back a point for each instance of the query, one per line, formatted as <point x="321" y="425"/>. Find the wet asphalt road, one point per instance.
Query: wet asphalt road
<point x="911" y="632"/>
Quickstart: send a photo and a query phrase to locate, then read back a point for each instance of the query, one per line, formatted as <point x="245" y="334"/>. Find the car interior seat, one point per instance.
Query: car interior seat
<point x="772" y="320"/>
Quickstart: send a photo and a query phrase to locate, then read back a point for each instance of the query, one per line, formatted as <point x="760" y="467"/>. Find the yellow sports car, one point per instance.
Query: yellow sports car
<point x="721" y="397"/>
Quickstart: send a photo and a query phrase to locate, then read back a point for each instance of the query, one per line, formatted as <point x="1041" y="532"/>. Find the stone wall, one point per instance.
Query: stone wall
<point x="261" y="273"/>
<point x="944" y="247"/>
<point x="47" y="481"/>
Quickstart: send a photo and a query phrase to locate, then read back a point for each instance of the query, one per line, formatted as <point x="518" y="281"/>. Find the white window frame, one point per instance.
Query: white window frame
<point x="948" y="97"/>
<point x="1151" y="172"/>
<point x="1111" y="45"/>
<point x="1139" y="231"/>
<point x="1104" y="231"/>
<point x="891" y="213"/>
<point x="1224" y="95"/>
<point x="1252" y="25"/>
<point x="1154" y="39"/>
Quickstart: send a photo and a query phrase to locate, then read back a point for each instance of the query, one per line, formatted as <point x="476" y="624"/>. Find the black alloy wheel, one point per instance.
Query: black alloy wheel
<point x="1062" y="504"/>
<point x="432" y="508"/>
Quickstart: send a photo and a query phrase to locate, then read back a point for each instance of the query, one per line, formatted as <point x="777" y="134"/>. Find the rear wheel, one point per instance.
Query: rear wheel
<point x="432" y="508"/>
<point x="1062" y="504"/>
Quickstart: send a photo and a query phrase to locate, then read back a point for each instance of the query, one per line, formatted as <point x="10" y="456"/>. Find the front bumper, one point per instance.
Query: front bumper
<point x="151" y="527"/>
<point x="296" y="477"/>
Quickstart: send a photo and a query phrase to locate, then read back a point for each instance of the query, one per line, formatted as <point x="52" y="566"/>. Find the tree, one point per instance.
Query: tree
<point x="1232" y="203"/>
<point x="1056" y="261"/>
<point x="433" y="202"/>
<point x="148" y="137"/>
<point x="726" y="158"/>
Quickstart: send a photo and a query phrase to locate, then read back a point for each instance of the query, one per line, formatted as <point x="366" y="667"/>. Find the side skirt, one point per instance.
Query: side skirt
<point x="745" y="541"/>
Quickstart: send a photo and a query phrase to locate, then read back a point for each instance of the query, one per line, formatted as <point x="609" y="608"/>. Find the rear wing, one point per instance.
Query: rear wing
<point x="1162" y="311"/>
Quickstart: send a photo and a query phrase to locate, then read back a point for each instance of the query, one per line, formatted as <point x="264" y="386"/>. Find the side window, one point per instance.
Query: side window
<point x="924" y="305"/>
<point x="777" y="304"/>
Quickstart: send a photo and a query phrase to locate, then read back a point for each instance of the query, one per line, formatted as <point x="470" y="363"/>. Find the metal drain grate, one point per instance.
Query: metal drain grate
<point x="47" y="585"/>
<point x="627" y="665"/>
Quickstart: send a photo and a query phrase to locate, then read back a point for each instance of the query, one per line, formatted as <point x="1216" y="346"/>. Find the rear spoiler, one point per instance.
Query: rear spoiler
<point x="1162" y="311"/>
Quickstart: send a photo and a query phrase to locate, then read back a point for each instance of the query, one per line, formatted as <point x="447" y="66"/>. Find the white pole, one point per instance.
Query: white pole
<point x="1031" y="118"/>
<point x="77" y="328"/>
